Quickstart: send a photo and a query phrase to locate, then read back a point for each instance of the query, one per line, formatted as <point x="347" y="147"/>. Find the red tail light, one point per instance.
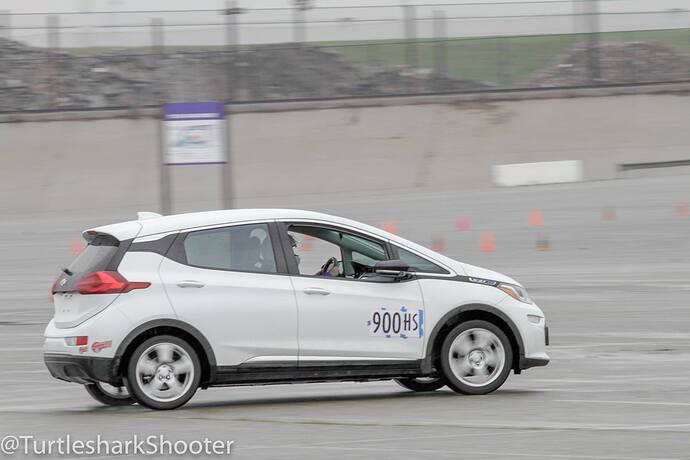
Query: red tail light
<point x="107" y="283"/>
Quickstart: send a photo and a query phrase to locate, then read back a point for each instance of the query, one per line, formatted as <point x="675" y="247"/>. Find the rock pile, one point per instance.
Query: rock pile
<point x="37" y="79"/>
<point x="633" y="62"/>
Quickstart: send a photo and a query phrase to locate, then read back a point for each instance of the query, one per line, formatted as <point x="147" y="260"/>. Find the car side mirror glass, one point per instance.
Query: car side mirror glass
<point x="394" y="268"/>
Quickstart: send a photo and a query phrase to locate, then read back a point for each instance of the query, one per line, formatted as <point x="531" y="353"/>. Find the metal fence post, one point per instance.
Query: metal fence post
<point x="5" y="24"/>
<point x="158" y="51"/>
<point x="53" y="32"/>
<point x="299" y="23"/>
<point x="227" y="178"/>
<point x="233" y="77"/>
<point x="53" y="48"/>
<point x="231" y="42"/>
<point x="592" y="21"/>
<point x="158" y="48"/>
<point x="440" y="47"/>
<point x="410" y="37"/>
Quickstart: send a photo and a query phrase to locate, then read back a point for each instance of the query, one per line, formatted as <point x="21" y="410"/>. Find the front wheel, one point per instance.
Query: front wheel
<point x="109" y="395"/>
<point x="163" y="372"/>
<point x="421" y="383"/>
<point x="476" y="358"/>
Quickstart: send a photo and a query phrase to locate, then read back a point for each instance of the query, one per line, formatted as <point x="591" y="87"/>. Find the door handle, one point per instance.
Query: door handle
<point x="316" y="291"/>
<point x="190" y="284"/>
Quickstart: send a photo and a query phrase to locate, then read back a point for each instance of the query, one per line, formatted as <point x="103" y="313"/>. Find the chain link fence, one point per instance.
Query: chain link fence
<point x="129" y="59"/>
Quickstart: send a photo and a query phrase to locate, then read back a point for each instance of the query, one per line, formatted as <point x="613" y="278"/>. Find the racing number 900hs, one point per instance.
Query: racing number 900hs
<point x="402" y="323"/>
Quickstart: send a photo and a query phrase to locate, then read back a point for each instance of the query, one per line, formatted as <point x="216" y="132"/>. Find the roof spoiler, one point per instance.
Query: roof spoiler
<point x="143" y="215"/>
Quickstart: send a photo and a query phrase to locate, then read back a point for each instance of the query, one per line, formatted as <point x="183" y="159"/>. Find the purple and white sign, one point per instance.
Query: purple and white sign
<point x="194" y="133"/>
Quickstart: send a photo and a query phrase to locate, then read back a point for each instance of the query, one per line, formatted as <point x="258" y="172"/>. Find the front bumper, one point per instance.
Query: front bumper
<point x="80" y="369"/>
<point x="526" y="363"/>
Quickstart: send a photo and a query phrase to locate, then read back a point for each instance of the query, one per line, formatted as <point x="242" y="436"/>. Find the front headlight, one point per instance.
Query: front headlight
<point x="514" y="291"/>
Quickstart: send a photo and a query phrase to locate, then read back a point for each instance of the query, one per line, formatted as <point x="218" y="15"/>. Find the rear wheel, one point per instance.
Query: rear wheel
<point x="476" y="358"/>
<point x="163" y="372"/>
<point x="422" y="383"/>
<point x="109" y="395"/>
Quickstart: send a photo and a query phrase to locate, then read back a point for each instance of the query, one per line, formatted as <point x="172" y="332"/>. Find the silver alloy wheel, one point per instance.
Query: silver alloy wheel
<point x="113" y="391"/>
<point x="476" y="357"/>
<point x="164" y="372"/>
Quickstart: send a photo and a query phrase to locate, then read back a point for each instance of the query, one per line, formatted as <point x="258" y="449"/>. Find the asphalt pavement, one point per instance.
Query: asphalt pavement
<point x="612" y="281"/>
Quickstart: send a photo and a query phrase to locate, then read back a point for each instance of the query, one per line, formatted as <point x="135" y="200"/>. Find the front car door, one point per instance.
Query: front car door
<point x="344" y="313"/>
<point x="229" y="282"/>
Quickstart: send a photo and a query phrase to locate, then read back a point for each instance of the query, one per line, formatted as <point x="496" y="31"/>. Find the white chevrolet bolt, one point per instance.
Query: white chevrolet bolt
<point x="153" y="309"/>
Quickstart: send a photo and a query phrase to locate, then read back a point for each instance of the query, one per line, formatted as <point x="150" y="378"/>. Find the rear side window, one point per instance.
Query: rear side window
<point x="246" y="248"/>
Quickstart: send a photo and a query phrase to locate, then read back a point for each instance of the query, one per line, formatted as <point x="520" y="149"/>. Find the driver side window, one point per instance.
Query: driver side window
<point x="330" y="252"/>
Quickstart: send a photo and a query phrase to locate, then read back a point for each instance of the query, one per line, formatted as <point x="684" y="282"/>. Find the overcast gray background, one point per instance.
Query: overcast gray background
<point x="474" y="18"/>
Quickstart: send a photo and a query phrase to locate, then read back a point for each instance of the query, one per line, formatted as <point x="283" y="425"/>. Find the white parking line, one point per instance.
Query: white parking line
<point x="509" y="425"/>
<point x="12" y="350"/>
<point x="34" y="390"/>
<point x="644" y="403"/>
<point x="606" y="344"/>
<point x="397" y="439"/>
<point x="494" y="454"/>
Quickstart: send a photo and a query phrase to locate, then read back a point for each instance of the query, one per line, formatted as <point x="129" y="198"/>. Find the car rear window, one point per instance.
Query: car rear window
<point x="96" y="256"/>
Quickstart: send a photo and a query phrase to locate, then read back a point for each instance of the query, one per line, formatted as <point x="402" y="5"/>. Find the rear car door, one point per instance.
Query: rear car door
<point x="342" y="315"/>
<point x="229" y="282"/>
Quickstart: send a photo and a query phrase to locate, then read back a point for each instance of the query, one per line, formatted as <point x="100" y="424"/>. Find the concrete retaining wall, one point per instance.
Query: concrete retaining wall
<point x="422" y="144"/>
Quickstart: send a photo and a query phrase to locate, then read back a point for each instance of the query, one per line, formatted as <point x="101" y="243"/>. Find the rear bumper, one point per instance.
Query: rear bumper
<point x="80" y="369"/>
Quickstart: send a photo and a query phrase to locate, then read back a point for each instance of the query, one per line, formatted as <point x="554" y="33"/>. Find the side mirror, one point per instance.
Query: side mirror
<point x="395" y="268"/>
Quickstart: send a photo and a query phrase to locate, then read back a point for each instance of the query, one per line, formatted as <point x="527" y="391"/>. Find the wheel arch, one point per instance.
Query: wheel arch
<point x="470" y="312"/>
<point x="172" y="327"/>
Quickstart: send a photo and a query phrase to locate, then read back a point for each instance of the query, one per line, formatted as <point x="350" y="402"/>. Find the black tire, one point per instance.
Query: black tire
<point x="476" y="357"/>
<point x="138" y="385"/>
<point x="421" y="384"/>
<point x="117" y="397"/>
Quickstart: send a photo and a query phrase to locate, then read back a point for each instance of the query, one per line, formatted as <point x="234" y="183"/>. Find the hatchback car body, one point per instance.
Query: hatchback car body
<point x="153" y="309"/>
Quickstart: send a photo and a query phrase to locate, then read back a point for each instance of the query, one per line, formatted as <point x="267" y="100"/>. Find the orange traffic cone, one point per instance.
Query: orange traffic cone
<point x="608" y="214"/>
<point x="543" y="243"/>
<point x="438" y="243"/>
<point x="462" y="223"/>
<point x="487" y="242"/>
<point x="535" y="218"/>
<point x="76" y="246"/>
<point x="389" y="226"/>
<point x="308" y="243"/>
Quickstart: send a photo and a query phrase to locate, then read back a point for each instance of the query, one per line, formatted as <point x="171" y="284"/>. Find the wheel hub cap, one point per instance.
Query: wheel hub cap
<point x="477" y="357"/>
<point x="165" y="372"/>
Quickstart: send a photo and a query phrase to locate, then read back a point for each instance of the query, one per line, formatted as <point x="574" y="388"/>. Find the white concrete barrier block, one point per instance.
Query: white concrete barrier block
<point x="543" y="172"/>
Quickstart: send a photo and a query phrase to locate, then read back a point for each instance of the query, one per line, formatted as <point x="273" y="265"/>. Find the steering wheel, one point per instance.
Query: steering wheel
<point x="330" y="263"/>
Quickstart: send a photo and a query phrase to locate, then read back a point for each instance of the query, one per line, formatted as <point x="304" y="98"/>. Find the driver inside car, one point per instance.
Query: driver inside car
<point x="330" y="269"/>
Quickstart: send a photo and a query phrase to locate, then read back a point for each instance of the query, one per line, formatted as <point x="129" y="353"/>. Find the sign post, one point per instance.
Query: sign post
<point x="195" y="134"/>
